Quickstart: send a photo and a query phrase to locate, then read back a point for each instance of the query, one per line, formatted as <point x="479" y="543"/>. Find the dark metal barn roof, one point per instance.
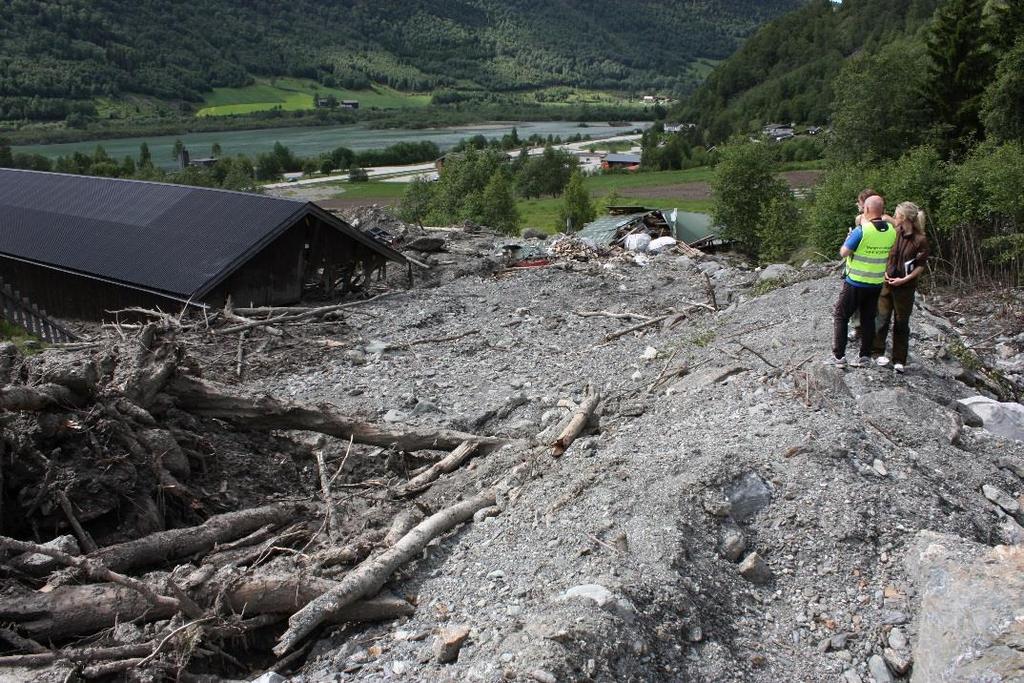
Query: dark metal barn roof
<point x="168" y="238"/>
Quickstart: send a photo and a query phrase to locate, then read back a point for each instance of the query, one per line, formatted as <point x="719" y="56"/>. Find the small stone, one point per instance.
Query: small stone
<point x="898" y="639"/>
<point x="400" y="667"/>
<point x="839" y="641"/>
<point x="694" y="633"/>
<point x="507" y="657"/>
<point x="591" y="591"/>
<point x="1001" y="498"/>
<point x="486" y="513"/>
<point x="897" y="661"/>
<point x="717" y="506"/>
<point x="733" y="544"/>
<point x="356" y="357"/>
<point x="496" y="575"/>
<point x="650" y="353"/>
<point x="270" y="677"/>
<point x="424" y="407"/>
<point x="393" y="416"/>
<point x="851" y="676"/>
<point x="879" y="671"/>
<point x="542" y="676"/>
<point x="824" y="645"/>
<point x="879" y="467"/>
<point x="449" y="642"/>
<point x="892" y="617"/>
<point x="755" y="570"/>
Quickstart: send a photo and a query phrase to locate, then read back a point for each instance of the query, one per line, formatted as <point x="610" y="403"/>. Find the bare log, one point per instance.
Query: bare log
<point x="166" y="546"/>
<point x="78" y="655"/>
<point x="208" y="399"/>
<point x="95" y="569"/>
<point x="84" y="539"/>
<point x="576" y="424"/>
<point x="611" y="314"/>
<point x="369" y="577"/>
<point x="404" y="522"/>
<point x="71" y="611"/>
<point x="36" y="399"/>
<point x="350" y="553"/>
<point x="449" y="463"/>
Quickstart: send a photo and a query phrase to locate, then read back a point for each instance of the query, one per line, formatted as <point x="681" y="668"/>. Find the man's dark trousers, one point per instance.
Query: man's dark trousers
<point x="851" y="299"/>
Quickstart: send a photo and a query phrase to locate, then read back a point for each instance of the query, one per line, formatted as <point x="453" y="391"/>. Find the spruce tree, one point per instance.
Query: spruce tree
<point x="577" y="210"/>
<point x="961" y="66"/>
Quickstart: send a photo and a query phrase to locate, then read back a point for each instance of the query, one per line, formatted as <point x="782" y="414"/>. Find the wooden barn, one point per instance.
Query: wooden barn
<point x="80" y="247"/>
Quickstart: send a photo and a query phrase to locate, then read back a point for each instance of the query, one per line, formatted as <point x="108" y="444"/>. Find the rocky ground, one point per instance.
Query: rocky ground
<point x="736" y="511"/>
<point x="747" y="521"/>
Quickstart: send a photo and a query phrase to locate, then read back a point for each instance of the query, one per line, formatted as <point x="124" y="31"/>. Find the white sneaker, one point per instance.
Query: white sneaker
<point x="860" y="362"/>
<point x="882" y="361"/>
<point x="898" y="367"/>
<point x="837" y="362"/>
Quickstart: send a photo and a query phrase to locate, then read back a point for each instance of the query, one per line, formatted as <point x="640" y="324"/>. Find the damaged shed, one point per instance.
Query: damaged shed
<point x="692" y="229"/>
<point x="81" y="246"/>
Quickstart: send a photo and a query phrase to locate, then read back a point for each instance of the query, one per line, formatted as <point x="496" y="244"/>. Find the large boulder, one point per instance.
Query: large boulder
<point x="969" y="627"/>
<point x="1002" y="419"/>
<point x="916" y="419"/>
<point x="777" y="271"/>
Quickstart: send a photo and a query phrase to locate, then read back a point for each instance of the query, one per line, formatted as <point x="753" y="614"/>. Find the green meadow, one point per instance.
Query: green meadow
<point x="293" y="94"/>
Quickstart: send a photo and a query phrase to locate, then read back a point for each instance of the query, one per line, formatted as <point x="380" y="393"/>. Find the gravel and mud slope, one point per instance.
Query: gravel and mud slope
<point x="728" y="507"/>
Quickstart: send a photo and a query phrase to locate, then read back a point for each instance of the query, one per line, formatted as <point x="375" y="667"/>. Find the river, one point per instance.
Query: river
<point x="311" y="141"/>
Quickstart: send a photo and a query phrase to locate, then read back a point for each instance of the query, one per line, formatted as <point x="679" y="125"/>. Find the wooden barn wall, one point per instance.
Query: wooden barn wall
<point x="75" y="297"/>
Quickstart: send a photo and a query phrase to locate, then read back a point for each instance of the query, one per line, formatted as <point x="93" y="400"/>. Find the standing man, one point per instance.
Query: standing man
<point x="866" y="251"/>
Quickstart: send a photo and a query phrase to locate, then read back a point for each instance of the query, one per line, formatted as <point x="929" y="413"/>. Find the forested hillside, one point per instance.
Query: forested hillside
<point x="785" y="71"/>
<point x="58" y="56"/>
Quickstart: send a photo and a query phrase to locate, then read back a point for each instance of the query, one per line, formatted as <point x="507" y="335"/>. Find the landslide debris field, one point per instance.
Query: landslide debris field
<point x="375" y="490"/>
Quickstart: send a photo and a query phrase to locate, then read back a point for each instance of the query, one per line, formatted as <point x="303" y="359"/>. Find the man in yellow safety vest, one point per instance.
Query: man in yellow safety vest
<point x="866" y="251"/>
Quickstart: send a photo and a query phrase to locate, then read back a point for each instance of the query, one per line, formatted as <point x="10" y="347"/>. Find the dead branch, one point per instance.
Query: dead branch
<point x="404" y="522"/>
<point x="207" y="399"/>
<point x="765" y="360"/>
<point x="22" y="643"/>
<point x="576" y="424"/>
<point x="449" y="463"/>
<point x="647" y="323"/>
<point x="610" y="314"/>
<point x="333" y="527"/>
<point x="368" y="578"/>
<point x="350" y="553"/>
<point x="710" y="289"/>
<point x="84" y="539"/>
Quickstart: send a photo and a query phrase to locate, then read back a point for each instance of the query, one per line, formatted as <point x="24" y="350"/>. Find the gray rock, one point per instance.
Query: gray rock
<point x="838" y="642"/>
<point x="899" y="662"/>
<point x="970" y="418"/>
<point x="1002" y="419"/>
<point x="1010" y="532"/>
<point x="777" y="271"/>
<point x="355" y="357"/>
<point x="1014" y="466"/>
<point x="270" y="677"/>
<point x="755" y="570"/>
<point x="66" y="544"/>
<point x="898" y="639"/>
<point x="733" y="544"/>
<point x="590" y="591"/>
<point x="748" y="495"/>
<point x="851" y="676"/>
<point x="423" y="407"/>
<point x="971" y="597"/>
<point x="542" y="676"/>
<point x="709" y="267"/>
<point x="449" y="643"/>
<point x="891" y="617"/>
<point x="879" y="671"/>
<point x="999" y="497"/>
<point x="393" y="416"/>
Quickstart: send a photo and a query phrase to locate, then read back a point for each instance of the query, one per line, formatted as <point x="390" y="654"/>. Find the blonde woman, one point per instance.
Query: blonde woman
<point x="904" y="268"/>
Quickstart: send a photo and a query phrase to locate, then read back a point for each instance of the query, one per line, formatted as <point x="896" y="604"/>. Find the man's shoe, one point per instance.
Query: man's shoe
<point x="882" y="361"/>
<point x="837" y="362"/>
<point x="860" y="362"/>
<point x="898" y="367"/>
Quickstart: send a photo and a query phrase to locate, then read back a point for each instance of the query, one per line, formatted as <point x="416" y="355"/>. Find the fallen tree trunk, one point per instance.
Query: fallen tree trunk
<point x="80" y="655"/>
<point x="35" y="399"/>
<point x="265" y="412"/>
<point x="165" y="546"/>
<point x="368" y="578"/>
<point x="71" y="611"/>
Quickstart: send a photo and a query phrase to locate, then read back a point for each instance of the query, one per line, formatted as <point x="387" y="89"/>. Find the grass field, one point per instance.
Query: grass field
<point x="293" y="94"/>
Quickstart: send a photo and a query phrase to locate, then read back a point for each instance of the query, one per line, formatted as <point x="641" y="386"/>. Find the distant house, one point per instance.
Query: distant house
<point x="630" y="162"/>
<point x="322" y="102"/>
<point x="349" y="104"/>
<point x="82" y="247"/>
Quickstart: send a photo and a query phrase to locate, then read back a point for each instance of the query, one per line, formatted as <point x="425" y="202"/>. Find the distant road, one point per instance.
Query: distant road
<point x="405" y="174"/>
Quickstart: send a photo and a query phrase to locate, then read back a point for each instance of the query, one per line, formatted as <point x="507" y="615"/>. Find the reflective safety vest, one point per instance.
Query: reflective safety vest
<point x="867" y="263"/>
